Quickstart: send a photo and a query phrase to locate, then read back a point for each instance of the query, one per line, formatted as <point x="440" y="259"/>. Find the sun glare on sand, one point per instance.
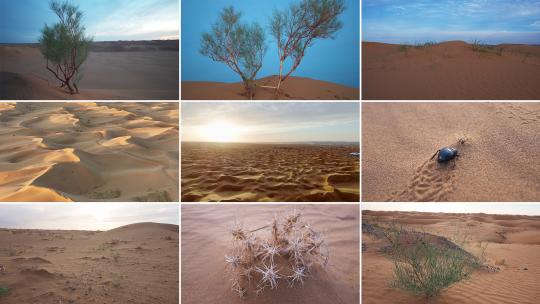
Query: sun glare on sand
<point x="221" y="131"/>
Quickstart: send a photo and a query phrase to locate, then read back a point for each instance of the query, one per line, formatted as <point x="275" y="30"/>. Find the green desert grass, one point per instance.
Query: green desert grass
<point x="3" y="290"/>
<point x="286" y="253"/>
<point x="418" y="45"/>
<point x="477" y="46"/>
<point x="423" y="267"/>
<point x="156" y="196"/>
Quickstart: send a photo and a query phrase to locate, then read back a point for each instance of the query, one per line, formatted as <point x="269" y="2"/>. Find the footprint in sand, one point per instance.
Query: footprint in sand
<point x="431" y="182"/>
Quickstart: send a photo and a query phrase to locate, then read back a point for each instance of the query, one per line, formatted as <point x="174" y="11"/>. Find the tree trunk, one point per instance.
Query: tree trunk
<point x="276" y="94"/>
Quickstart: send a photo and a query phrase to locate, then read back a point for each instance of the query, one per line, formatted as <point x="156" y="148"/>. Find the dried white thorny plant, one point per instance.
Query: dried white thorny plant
<point x="284" y="251"/>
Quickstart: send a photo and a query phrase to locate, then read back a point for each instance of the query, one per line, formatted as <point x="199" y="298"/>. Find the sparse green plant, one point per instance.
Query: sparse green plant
<point x="421" y="266"/>
<point x="289" y="251"/>
<point x="477" y="46"/>
<point x="424" y="45"/>
<point x="106" y="194"/>
<point x="116" y="256"/>
<point x="240" y="46"/>
<point x="156" y="196"/>
<point x="65" y="45"/>
<point x="297" y="28"/>
<point x="3" y="290"/>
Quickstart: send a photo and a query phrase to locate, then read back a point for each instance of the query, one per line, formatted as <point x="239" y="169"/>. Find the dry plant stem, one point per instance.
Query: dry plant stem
<point x="288" y="251"/>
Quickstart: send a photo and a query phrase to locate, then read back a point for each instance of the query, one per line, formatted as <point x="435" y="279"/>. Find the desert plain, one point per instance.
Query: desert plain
<point x="498" y="161"/>
<point x="206" y="239"/>
<point x="296" y="88"/>
<point x="137" y="263"/>
<point x="226" y="172"/>
<point x="511" y="269"/>
<point x="70" y="151"/>
<point x="450" y="70"/>
<point x="114" y="70"/>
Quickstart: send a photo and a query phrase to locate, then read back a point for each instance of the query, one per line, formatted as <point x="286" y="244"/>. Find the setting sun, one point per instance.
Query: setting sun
<point x="221" y="131"/>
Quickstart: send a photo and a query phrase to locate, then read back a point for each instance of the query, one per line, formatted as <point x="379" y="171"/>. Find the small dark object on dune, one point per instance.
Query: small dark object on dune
<point x="445" y="154"/>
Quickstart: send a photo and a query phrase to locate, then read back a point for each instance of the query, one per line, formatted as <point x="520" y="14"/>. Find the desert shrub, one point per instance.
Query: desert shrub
<point x="423" y="266"/>
<point x="240" y="46"/>
<point x="296" y="28"/>
<point x="477" y="46"/>
<point x="286" y="253"/>
<point x="65" y="45"/>
<point x="3" y="290"/>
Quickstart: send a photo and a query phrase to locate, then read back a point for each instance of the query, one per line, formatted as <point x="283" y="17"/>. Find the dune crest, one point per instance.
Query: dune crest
<point x="89" y="152"/>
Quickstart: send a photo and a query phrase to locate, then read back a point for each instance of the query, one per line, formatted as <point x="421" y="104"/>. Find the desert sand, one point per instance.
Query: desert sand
<point x="450" y="70"/>
<point x="513" y="252"/>
<point x="293" y="88"/>
<point x="136" y="263"/>
<point x="89" y="151"/>
<point x="269" y="172"/>
<point x="123" y="70"/>
<point x="206" y="240"/>
<point x="499" y="161"/>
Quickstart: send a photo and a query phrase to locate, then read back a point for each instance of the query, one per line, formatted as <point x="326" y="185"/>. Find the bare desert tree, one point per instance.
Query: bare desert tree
<point x="65" y="45"/>
<point x="240" y="46"/>
<point x="296" y="28"/>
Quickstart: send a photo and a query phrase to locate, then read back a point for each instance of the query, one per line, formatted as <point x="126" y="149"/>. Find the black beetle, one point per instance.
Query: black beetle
<point x="445" y="154"/>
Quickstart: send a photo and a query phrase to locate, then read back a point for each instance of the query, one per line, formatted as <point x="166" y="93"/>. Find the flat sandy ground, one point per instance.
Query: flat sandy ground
<point x="132" y="264"/>
<point x="89" y="151"/>
<point x="293" y="88"/>
<point x="500" y="160"/>
<point x="450" y="70"/>
<point x="206" y="239"/>
<point x="269" y="172"/>
<point x="113" y="71"/>
<point x="513" y="245"/>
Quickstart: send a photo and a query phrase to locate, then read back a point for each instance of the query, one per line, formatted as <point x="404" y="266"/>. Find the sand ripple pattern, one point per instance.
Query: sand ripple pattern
<point x="89" y="151"/>
<point x="269" y="172"/>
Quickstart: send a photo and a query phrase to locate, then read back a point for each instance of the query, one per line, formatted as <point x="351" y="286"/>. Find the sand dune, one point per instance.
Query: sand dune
<point x="294" y="88"/>
<point x="146" y="70"/>
<point x="89" y="151"/>
<point x="269" y="172"/>
<point x="132" y="264"/>
<point x="512" y="248"/>
<point x="450" y="70"/>
<point x="206" y="240"/>
<point x="499" y="160"/>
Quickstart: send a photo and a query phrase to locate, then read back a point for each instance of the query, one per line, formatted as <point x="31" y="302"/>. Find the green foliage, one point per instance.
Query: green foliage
<point x="65" y="44"/>
<point x="240" y="46"/>
<point x="423" y="267"/>
<point x="477" y="46"/>
<point x="297" y="28"/>
<point x="3" y="290"/>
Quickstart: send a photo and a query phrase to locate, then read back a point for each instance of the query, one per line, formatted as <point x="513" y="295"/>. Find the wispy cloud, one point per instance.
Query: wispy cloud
<point x="149" y="19"/>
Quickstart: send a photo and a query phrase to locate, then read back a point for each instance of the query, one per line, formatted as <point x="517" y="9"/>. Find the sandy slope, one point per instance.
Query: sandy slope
<point x="450" y="70"/>
<point x="293" y="88"/>
<point x="269" y="172"/>
<point x="89" y="151"/>
<point x="206" y="240"/>
<point x="132" y="264"/>
<point x="499" y="162"/>
<point x="513" y="247"/>
<point x="113" y="71"/>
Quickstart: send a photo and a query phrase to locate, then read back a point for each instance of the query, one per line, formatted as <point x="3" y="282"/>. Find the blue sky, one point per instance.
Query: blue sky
<point x="96" y="216"/>
<point x="270" y="121"/>
<point x="490" y="21"/>
<point x="330" y="60"/>
<point x="21" y="21"/>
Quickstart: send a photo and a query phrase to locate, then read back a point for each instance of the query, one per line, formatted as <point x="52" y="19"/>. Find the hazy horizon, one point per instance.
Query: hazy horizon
<point x="88" y="216"/>
<point x="21" y="21"/>
<point x="334" y="60"/>
<point x="465" y="208"/>
<point x="270" y="122"/>
<point x="418" y="21"/>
